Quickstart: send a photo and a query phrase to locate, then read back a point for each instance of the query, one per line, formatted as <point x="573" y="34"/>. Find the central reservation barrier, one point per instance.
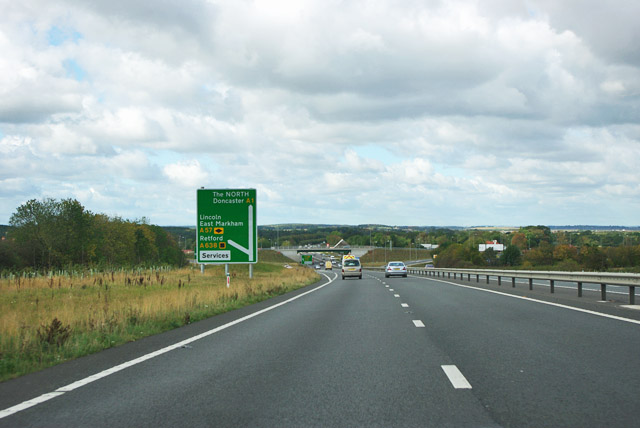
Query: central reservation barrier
<point x="603" y="279"/>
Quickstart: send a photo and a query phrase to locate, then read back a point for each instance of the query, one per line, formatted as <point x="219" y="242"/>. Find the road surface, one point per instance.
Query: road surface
<point x="406" y="352"/>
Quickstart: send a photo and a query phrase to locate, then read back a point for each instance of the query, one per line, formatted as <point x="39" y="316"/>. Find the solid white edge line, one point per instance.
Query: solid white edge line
<point x="456" y="377"/>
<point x="29" y="403"/>
<point x="77" y="384"/>
<point x="529" y="299"/>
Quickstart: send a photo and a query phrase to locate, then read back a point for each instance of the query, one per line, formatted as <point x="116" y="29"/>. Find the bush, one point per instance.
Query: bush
<point x="568" y="266"/>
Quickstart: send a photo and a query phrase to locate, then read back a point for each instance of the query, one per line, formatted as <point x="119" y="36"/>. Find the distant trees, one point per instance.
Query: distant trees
<point x="264" y="243"/>
<point x="333" y="238"/>
<point x="454" y="255"/>
<point x="536" y="235"/>
<point x="57" y="233"/>
<point x="491" y="257"/>
<point x="519" y="239"/>
<point x="536" y="247"/>
<point x="530" y="247"/>
<point x="623" y="256"/>
<point x="511" y="256"/>
<point x="542" y="255"/>
<point x="565" y="252"/>
<point x="593" y="258"/>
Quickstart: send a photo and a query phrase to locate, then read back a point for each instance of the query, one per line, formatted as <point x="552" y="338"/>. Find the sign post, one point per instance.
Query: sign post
<point x="226" y="228"/>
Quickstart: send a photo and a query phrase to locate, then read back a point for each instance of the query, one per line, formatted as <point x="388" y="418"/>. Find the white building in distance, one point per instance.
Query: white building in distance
<point x="491" y="244"/>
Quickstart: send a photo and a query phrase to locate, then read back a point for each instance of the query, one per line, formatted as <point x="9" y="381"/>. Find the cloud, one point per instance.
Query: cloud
<point x="188" y="174"/>
<point x="607" y="27"/>
<point x="337" y="112"/>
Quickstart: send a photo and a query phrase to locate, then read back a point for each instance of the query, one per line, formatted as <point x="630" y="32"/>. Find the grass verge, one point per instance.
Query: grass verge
<point x="47" y="320"/>
<point x="380" y="256"/>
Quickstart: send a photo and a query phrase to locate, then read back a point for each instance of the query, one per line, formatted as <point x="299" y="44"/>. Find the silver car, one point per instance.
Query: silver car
<point x="395" y="268"/>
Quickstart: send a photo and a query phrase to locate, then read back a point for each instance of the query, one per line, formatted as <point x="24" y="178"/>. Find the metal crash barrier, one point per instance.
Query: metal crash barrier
<point x="630" y="280"/>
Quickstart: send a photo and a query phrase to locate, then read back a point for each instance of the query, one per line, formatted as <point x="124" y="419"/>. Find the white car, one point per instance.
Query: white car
<point x="351" y="268"/>
<point x="395" y="268"/>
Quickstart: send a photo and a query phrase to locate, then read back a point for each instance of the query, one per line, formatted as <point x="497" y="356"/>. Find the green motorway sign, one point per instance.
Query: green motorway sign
<point x="226" y="229"/>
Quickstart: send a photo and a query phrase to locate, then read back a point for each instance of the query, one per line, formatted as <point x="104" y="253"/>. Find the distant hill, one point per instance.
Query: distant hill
<point x="595" y="228"/>
<point x="305" y="226"/>
<point x="308" y="226"/>
<point x="189" y="231"/>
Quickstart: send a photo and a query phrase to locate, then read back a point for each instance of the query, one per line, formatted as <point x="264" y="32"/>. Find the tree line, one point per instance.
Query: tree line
<point x="536" y="247"/>
<point x="52" y="233"/>
<point x="57" y="233"/>
<point x="527" y="247"/>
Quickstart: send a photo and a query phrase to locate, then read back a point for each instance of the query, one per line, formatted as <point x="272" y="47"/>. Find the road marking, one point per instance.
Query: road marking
<point x="418" y="323"/>
<point x="77" y="384"/>
<point x="456" y="377"/>
<point x="30" y="403"/>
<point x="404" y="305"/>
<point x="396" y="295"/>
<point x="391" y="289"/>
<point x="529" y="299"/>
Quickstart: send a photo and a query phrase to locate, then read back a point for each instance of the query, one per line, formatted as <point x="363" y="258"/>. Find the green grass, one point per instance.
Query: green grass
<point x="273" y="256"/>
<point x="380" y="256"/>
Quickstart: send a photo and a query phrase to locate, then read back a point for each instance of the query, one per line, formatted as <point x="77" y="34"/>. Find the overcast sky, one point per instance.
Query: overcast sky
<point x="497" y="112"/>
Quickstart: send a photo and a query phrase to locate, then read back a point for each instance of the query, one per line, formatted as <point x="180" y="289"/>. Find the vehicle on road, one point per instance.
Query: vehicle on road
<point x="328" y="266"/>
<point x="395" y="269"/>
<point x="428" y="266"/>
<point x="348" y="257"/>
<point x="351" y="268"/>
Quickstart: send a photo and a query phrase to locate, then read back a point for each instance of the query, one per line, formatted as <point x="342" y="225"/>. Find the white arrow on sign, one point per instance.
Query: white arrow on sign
<point x="247" y="251"/>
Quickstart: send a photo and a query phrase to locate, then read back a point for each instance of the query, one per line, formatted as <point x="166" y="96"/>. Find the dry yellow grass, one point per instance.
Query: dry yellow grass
<point x="112" y="308"/>
<point x="113" y="297"/>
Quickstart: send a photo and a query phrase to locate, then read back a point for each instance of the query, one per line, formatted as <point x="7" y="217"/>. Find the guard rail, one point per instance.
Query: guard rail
<point x="620" y="279"/>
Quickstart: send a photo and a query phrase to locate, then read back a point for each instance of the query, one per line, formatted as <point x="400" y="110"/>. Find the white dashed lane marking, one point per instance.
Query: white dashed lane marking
<point x="418" y="323"/>
<point x="456" y="377"/>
